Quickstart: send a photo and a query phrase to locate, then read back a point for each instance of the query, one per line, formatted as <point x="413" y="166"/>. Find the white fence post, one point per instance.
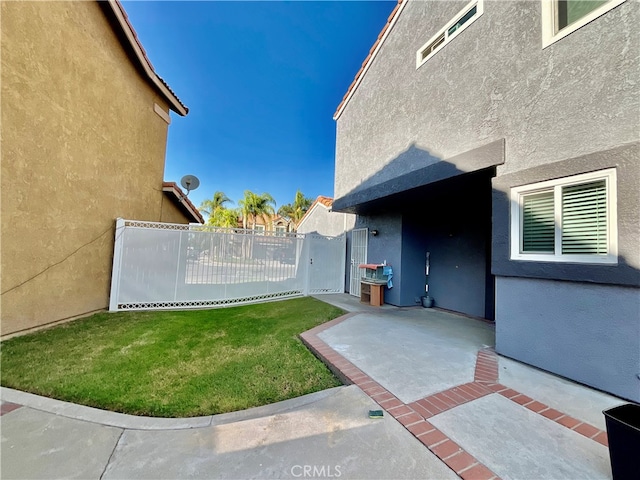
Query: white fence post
<point x="117" y="261"/>
<point x="306" y="258"/>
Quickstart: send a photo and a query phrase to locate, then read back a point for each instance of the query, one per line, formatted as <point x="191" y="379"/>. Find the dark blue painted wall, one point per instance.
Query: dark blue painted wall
<point x="387" y="245"/>
<point x="453" y="223"/>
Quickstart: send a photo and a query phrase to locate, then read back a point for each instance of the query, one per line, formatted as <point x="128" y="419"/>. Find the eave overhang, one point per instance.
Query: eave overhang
<point x="474" y="160"/>
<point x="178" y="197"/>
<point x="130" y="42"/>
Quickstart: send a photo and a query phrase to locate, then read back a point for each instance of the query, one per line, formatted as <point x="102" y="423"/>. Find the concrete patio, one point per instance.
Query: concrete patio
<point x="482" y="414"/>
<point x="453" y="409"/>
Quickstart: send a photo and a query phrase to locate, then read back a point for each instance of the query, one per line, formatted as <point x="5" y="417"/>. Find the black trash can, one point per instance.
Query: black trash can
<point x="623" y="431"/>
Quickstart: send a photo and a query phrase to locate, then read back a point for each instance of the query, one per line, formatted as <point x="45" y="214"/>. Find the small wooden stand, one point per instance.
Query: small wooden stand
<point x="372" y="293"/>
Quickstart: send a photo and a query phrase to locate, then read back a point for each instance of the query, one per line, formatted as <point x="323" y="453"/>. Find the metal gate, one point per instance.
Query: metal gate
<point x="166" y="266"/>
<point x="359" y="242"/>
<point x="326" y="263"/>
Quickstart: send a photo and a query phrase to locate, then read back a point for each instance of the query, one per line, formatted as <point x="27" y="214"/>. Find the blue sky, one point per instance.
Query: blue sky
<point x="262" y="81"/>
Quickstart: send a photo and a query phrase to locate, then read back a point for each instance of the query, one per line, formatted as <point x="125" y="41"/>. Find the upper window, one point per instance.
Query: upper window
<point x="561" y="17"/>
<point x="566" y="220"/>
<point x="462" y="20"/>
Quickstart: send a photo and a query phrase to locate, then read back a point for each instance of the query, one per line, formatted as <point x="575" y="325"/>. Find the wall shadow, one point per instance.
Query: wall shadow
<point x="463" y="215"/>
<point x="427" y="211"/>
<point x="577" y="320"/>
<point x="413" y="168"/>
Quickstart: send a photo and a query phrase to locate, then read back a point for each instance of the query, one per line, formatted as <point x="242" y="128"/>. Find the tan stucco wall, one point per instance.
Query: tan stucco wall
<point x="171" y="213"/>
<point x="81" y="146"/>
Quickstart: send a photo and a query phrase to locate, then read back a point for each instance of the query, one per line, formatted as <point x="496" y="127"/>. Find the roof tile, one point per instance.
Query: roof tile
<point x="145" y="58"/>
<point x="326" y="201"/>
<point x="351" y="88"/>
<point x="177" y="191"/>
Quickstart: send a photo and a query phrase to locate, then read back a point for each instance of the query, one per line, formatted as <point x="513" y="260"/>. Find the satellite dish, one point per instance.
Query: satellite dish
<point x="190" y="182"/>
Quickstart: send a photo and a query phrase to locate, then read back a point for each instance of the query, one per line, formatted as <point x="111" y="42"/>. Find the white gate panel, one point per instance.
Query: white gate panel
<point x="164" y="266"/>
<point x="326" y="263"/>
<point x="359" y="245"/>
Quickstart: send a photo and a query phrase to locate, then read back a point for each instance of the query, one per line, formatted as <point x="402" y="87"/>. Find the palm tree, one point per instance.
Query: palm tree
<point x="253" y="206"/>
<point x="296" y="210"/>
<point x="209" y="207"/>
<point x="224" y="217"/>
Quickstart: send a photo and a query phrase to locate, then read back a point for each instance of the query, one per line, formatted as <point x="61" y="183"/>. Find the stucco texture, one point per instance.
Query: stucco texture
<point x="171" y="213"/>
<point x="570" y="108"/>
<point x="323" y="221"/>
<point x="625" y="159"/>
<point x="81" y="146"/>
<point x="493" y="81"/>
<point x="560" y="321"/>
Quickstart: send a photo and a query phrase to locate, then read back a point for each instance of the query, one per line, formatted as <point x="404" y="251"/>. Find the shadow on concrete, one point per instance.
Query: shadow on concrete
<point x="579" y="320"/>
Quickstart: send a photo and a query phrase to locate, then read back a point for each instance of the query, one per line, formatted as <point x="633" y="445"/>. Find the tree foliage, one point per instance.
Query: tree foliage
<point x="225" y="218"/>
<point x="209" y="206"/>
<point x="254" y="205"/>
<point x="219" y="215"/>
<point x="251" y="207"/>
<point x="296" y="210"/>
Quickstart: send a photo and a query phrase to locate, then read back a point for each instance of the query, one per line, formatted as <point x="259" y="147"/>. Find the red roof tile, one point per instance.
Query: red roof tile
<point x="183" y="200"/>
<point x="325" y="201"/>
<point x="392" y="17"/>
<point x="130" y="39"/>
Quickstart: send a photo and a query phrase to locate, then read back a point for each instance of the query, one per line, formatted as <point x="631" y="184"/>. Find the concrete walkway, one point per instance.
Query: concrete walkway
<point x="453" y="409"/>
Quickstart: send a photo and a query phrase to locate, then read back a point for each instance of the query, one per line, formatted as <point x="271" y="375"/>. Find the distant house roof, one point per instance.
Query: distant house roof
<point x="273" y="219"/>
<point x="173" y="191"/>
<point x="372" y="53"/>
<point x="280" y="220"/>
<point x="124" y="30"/>
<point x="326" y="202"/>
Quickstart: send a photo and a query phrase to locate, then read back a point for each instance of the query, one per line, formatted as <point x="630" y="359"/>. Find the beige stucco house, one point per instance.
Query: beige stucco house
<point x="267" y="224"/>
<point x="84" y="130"/>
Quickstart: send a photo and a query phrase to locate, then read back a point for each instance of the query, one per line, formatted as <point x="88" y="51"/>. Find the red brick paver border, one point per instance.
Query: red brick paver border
<point x="486" y="366"/>
<point x="540" y="408"/>
<point x="414" y="416"/>
<point x="7" y="407"/>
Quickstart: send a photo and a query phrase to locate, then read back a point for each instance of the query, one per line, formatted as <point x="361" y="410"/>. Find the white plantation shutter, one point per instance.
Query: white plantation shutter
<point x="584" y="219"/>
<point x="570" y="219"/>
<point x="538" y="224"/>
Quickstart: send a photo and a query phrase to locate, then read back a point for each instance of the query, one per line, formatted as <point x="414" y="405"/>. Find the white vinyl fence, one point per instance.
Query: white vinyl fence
<point x="167" y="266"/>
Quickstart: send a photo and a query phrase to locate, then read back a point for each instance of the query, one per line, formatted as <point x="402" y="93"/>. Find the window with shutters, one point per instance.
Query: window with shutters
<point x="572" y="219"/>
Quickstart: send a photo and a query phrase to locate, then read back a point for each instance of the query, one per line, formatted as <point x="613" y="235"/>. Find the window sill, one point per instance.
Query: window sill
<point x="580" y="259"/>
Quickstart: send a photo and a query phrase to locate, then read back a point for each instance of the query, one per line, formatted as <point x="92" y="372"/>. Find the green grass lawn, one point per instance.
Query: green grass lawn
<point x="174" y="364"/>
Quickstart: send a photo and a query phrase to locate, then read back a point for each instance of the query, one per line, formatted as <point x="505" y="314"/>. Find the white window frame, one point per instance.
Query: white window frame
<point x="259" y="229"/>
<point x="549" y="12"/>
<point x="517" y="195"/>
<point x="444" y="31"/>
